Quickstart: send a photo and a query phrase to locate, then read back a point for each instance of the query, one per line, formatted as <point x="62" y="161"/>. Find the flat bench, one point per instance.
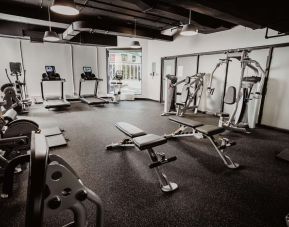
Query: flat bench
<point x="130" y="130"/>
<point x="143" y="141"/>
<point x="201" y="130"/>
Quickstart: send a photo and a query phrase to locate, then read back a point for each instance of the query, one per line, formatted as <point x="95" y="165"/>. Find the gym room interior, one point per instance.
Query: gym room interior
<point x="144" y="113"/>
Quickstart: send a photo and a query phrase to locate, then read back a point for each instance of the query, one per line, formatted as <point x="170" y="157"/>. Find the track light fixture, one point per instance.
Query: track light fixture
<point x="189" y="29"/>
<point x="135" y="44"/>
<point x="65" y="7"/>
<point x="50" y="36"/>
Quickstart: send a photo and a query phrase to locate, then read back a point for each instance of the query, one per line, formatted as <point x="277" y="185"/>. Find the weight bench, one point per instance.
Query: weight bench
<point x="199" y="130"/>
<point x="143" y="141"/>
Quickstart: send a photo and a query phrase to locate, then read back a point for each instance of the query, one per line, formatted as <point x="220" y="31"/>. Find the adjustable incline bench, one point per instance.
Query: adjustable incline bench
<point x="143" y="141"/>
<point x="203" y="131"/>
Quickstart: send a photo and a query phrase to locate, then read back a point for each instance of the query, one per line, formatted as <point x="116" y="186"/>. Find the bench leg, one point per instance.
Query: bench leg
<point x="287" y="220"/>
<point x="166" y="185"/>
<point x="124" y="143"/>
<point x="226" y="159"/>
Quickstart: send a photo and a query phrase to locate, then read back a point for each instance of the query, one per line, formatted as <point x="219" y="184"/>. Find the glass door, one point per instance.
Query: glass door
<point x="127" y="65"/>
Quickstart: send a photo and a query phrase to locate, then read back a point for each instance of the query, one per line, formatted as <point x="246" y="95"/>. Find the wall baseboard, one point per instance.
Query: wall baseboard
<point x="274" y="128"/>
<point x="147" y="99"/>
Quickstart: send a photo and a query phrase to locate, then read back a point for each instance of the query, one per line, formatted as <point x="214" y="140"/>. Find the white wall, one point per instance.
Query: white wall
<point x="235" y="38"/>
<point x="186" y="66"/>
<point x="84" y="56"/>
<point x="10" y="52"/>
<point x="207" y="63"/>
<point x="276" y="108"/>
<point x="37" y="55"/>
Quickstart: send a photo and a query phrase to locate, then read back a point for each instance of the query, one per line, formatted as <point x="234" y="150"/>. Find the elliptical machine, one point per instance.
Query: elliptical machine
<point x="20" y="86"/>
<point x="242" y="118"/>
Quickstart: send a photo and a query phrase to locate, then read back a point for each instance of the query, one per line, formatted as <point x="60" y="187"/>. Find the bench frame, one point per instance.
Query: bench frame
<point x="219" y="147"/>
<point x="157" y="159"/>
<point x="126" y="142"/>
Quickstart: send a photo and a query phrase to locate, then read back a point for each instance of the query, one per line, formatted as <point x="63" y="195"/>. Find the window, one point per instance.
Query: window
<point x="129" y="62"/>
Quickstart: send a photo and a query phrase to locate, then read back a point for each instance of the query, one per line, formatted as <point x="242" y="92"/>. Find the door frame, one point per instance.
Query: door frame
<point x="161" y="77"/>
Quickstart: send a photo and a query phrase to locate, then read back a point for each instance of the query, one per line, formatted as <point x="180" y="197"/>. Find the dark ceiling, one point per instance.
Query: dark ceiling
<point x="116" y="17"/>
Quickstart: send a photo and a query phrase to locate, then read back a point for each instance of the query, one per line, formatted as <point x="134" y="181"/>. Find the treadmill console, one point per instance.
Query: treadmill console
<point x="15" y="68"/>
<point x="50" y="74"/>
<point x="87" y="74"/>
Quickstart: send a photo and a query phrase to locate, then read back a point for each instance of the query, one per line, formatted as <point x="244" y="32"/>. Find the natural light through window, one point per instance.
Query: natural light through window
<point x="128" y="63"/>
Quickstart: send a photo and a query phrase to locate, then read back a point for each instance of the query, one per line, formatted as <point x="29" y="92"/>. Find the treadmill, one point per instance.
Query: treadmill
<point x="92" y="99"/>
<point x="55" y="101"/>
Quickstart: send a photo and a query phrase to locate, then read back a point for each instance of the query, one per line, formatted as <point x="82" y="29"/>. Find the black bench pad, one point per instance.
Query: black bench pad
<point x="210" y="130"/>
<point x="149" y="141"/>
<point x="186" y="122"/>
<point x="129" y="130"/>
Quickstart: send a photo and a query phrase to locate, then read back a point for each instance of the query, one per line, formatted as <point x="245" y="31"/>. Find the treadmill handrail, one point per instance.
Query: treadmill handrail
<point x="95" y="86"/>
<point x="61" y="79"/>
<point x="62" y="88"/>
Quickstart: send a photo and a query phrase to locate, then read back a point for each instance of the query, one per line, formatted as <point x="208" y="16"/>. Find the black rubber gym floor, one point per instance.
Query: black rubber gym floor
<point x="209" y="194"/>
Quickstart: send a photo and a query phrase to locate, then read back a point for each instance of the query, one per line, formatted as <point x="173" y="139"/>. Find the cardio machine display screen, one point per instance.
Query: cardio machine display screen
<point x="50" y="69"/>
<point x="87" y="69"/>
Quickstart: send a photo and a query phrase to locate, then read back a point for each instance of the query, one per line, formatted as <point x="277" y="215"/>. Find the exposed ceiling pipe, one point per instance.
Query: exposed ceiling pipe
<point x="83" y="5"/>
<point x="128" y="14"/>
<point x="25" y="20"/>
<point x="111" y="4"/>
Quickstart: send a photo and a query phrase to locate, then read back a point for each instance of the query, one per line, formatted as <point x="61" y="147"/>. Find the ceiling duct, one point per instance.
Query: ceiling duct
<point x="71" y="32"/>
<point x="92" y="27"/>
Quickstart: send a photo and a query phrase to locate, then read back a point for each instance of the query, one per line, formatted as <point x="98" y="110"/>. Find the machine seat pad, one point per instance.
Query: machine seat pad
<point x="210" y="130"/>
<point x="130" y="130"/>
<point x="186" y="122"/>
<point x="149" y="141"/>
